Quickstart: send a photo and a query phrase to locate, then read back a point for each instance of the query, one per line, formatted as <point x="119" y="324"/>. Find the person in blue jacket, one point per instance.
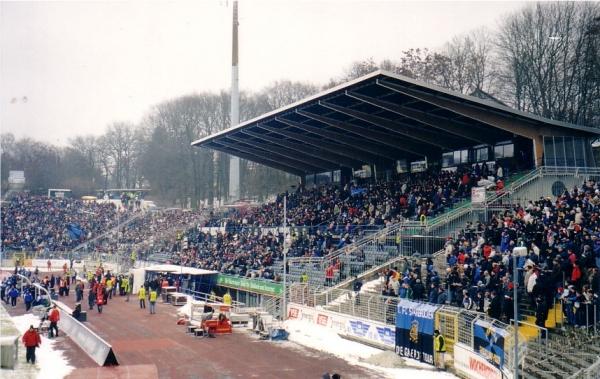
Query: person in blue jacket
<point x="14" y="295"/>
<point x="28" y="298"/>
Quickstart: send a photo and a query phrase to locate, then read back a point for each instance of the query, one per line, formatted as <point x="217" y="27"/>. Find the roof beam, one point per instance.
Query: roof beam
<point x="423" y="118"/>
<point x="509" y="124"/>
<point x="374" y="135"/>
<point x="336" y="148"/>
<point x="408" y="131"/>
<point x="269" y="156"/>
<point x="308" y="150"/>
<point x="356" y="143"/>
<point x="289" y="154"/>
<point x="265" y="162"/>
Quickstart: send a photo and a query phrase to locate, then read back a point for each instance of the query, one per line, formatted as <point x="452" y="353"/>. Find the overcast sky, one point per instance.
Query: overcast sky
<point x="71" y="68"/>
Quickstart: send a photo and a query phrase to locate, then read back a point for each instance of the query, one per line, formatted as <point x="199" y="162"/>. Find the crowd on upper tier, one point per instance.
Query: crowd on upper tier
<point x="322" y="219"/>
<point x="562" y="239"/>
<point x="151" y="232"/>
<point x="41" y="223"/>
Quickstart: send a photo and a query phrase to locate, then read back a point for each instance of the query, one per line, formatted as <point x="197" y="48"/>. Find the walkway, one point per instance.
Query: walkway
<point x="154" y="346"/>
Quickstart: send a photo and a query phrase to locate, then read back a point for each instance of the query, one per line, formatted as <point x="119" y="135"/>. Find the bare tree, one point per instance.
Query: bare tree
<point x="550" y="60"/>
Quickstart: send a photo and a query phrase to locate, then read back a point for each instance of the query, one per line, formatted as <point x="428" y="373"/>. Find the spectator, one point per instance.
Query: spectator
<point x="54" y="317"/>
<point x="31" y="340"/>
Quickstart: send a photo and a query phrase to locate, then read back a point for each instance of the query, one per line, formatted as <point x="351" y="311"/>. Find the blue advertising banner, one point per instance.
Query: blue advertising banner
<point x="414" y="330"/>
<point x="378" y="333"/>
<point x="489" y="342"/>
<point x="359" y="328"/>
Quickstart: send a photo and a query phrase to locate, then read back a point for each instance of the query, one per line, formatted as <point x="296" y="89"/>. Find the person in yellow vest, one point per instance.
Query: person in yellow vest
<point x="439" y="347"/>
<point x="423" y="219"/>
<point x="127" y="287"/>
<point x="133" y="257"/>
<point x="109" y="287"/>
<point x="142" y="297"/>
<point x="304" y="278"/>
<point x="153" y="296"/>
<point x="227" y="298"/>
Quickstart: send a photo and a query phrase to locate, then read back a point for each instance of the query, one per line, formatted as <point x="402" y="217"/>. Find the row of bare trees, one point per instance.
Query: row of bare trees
<point x="543" y="59"/>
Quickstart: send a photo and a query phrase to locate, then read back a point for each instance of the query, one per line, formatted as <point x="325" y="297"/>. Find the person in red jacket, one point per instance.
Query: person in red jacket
<point x="54" y="317"/>
<point x="31" y="340"/>
<point x="329" y="275"/>
<point x="576" y="274"/>
<point x="100" y="298"/>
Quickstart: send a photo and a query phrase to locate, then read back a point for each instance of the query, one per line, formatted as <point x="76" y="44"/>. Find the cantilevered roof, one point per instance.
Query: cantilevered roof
<point x="378" y="118"/>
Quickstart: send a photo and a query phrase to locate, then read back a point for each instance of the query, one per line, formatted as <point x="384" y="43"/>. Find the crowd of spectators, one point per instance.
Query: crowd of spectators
<point x="48" y="224"/>
<point x="155" y="230"/>
<point x="562" y="238"/>
<point x="321" y="220"/>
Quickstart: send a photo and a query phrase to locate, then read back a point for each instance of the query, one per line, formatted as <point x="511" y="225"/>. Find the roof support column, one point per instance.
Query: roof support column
<point x="538" y="150"/>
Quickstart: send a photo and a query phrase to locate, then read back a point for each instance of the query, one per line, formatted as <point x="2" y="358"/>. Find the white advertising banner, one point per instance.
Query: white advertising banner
<point x="345" y="324"/>
<point x="474" y="365"/>
<point x="478" y="195"/>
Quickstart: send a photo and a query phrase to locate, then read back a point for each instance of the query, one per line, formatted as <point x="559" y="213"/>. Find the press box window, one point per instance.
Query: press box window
<point x="481" y="154"/>
<point x="504" y="151"/>
<point x="461" y="156"/>
<point x="448" y="159"/>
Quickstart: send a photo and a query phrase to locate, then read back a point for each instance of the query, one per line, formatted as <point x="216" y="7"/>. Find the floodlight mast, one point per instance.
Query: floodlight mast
<point x="234" y="162"/>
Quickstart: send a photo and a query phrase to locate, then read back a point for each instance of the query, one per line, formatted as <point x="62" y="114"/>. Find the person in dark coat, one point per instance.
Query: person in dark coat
<point x="479" y="301"/>
<point x="418" y="290"/>
<point x="495" y="310"/>
<point x="91" y="298"/>
<point x="541" y="312"/>
<point x="356" y="287"/>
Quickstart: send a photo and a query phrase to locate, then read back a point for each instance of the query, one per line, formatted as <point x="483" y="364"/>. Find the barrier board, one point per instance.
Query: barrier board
<point x="345" y="324"/>
<point x="93" y="345"/>
<point x="473" y="365"/>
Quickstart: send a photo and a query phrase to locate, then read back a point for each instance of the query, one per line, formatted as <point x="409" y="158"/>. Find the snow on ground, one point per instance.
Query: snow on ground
<point x="186" y="309"/>
<point x="347" y="295"/>
<point x="327" y="340"/>
<point x="51" y="362"/>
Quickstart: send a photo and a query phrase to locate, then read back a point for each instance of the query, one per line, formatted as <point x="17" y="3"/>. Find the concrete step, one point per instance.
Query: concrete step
<point x="525" y="374"/>
<point x="548" y="368"/>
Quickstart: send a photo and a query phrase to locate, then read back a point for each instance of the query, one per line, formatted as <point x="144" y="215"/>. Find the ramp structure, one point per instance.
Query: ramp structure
<point x="93" y="345"/>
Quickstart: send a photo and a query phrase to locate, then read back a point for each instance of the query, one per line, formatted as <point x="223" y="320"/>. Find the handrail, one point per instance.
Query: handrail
<point x="371" y="271"/>
<point x="111" y="230"/>
<point x="210" y="298"/>
<point x="344" y="250"/>
<point x="38" y="286"/>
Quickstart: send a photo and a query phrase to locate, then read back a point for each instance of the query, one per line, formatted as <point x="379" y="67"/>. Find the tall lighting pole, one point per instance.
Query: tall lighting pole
<point x="517" y="251"/>
<point x="285" y="251"/>
<point x="234" y="162"/>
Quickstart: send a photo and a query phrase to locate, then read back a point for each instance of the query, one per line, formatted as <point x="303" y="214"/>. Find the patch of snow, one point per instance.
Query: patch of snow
<point x="186" y="309"/>
<point x="52" y="363"/>
<point x="371" y="285"/>
<point x="349" y="294"/>
<point x="327" y="340"/>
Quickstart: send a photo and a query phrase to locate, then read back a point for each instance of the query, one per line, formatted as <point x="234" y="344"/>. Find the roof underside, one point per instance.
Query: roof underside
<point x="379" y="118"/>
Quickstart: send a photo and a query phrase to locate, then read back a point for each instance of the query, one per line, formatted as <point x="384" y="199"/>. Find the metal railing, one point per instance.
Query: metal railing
<point x="591" y="372"/>
<point x="456" y="324"/>
<point x="211" y="298"/>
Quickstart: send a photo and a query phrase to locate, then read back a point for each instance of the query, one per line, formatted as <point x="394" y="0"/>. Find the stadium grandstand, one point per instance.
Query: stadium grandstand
<point x="408" y="195"/>
<point x="513" y="179"/>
